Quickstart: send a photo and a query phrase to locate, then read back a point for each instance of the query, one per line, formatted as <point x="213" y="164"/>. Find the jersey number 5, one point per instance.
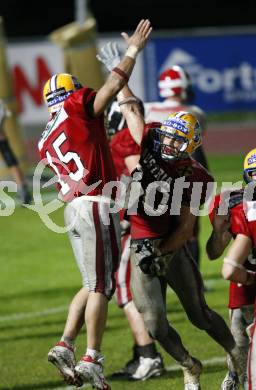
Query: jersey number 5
<point x="66" y="158"/>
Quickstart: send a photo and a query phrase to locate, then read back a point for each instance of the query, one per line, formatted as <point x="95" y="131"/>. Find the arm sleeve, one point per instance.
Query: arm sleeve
<point x="123" y="144"/>
<point x="80" y="102"/>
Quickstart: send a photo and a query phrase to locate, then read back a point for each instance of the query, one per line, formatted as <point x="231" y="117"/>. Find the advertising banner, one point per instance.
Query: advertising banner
<point x="222" y="68"/>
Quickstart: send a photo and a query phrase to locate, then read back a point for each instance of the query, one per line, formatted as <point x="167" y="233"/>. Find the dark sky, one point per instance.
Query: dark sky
<point x="37" y="18"/>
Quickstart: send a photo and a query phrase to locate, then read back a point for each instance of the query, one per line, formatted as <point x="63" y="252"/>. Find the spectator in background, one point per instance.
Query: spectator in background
<point x="175" y="88"/>
<point x="10" y="159"/>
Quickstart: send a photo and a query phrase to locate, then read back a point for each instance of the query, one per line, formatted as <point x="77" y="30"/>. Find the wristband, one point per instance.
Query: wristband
<point x="121" y="73"/>
<point x="233" y="263"/>
<point x="130" y="99"/>
<point x="132" y="52"/>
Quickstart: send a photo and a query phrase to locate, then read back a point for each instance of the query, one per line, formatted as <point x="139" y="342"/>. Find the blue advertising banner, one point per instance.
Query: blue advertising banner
<point x="222" y="69"/>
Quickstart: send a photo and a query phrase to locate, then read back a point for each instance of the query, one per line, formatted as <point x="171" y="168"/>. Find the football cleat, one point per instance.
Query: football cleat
<point x="148" y="368"/>
<point x="192" y="376"/>
<point x="63" y="357"/>
<point x="91" y="370"/>
<point x="128" y="370"/>
<point x="230" y="382"/>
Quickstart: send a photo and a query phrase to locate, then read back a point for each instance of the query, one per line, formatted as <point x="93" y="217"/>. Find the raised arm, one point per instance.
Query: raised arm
<point x="132" y="113"/>
<point x="120" y="70"/>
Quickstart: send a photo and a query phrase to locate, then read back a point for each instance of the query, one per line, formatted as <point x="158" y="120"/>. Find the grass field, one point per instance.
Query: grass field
<point x="39" y="277"/>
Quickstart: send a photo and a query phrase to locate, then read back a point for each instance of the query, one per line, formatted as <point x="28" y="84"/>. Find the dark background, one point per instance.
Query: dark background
<point x="39" y="18"/>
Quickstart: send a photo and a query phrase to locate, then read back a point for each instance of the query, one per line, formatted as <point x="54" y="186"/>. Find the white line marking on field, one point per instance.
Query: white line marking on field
<point x="19" y="316"/>
<point x="46" y="312"/>
<point x="45" y="197"/>
<point x="86" y="386"/>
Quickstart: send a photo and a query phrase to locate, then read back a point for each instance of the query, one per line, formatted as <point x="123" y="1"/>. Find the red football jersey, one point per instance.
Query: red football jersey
<point x="75" y="146"/>
<point x="122" y="145"/>
<point x="153" y="169"/>
<point x="238" y="295"/>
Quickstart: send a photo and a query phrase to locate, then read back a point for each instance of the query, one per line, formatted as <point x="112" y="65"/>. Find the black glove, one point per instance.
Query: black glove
<point x="146" y="265"/>
<point x="154" y="265"/>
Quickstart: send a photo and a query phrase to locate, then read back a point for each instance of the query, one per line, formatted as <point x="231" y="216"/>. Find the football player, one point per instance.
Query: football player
<point x="159" y="254"/>
<point x="11" y="160"/>
<point x="238" y="266"/>
<point x="75" y="146"/>
<point x="146" y="361"/>
<point x="241" y="297"/>
<point x="175" y="88"/>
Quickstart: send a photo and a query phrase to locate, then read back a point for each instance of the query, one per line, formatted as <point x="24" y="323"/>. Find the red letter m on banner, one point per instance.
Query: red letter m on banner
<point x="21" y="83"/>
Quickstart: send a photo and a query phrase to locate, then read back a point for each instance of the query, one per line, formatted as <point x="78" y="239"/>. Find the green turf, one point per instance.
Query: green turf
<point x="38" y="272"/>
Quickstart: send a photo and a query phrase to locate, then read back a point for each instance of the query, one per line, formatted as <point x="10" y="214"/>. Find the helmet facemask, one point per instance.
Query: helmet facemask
<point x="114" y="119"/>
<point x="172" y="146"/>
<point x="250" y="175"/>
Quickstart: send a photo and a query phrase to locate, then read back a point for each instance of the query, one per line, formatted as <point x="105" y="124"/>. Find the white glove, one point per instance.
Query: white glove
<point x="110" y="55"/>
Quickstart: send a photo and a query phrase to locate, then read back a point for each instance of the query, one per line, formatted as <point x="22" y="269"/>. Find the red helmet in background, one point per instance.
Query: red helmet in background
<point x="174" y="81"/>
